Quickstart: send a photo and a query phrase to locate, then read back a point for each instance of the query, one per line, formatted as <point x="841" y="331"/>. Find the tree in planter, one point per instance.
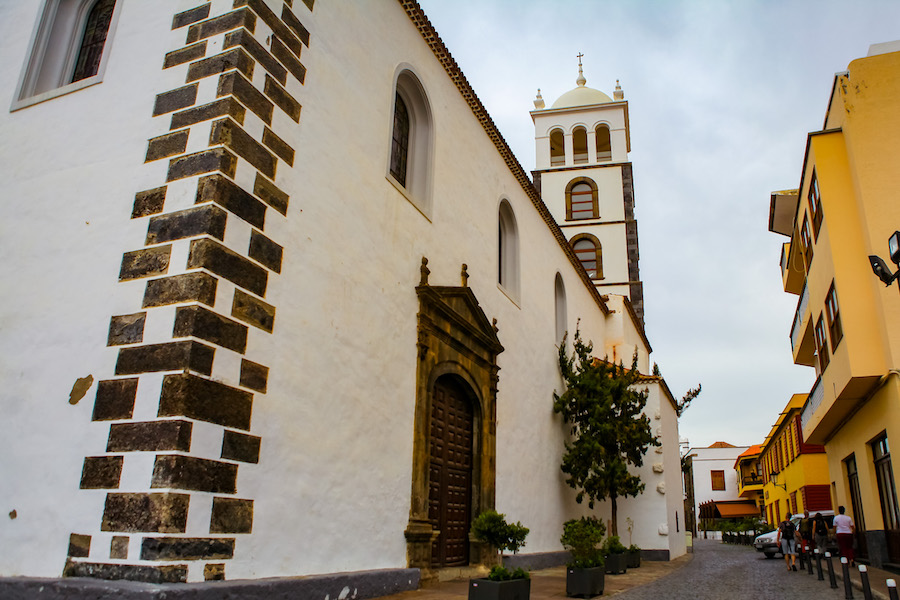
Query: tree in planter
<point x="491" y="527"/>
<point x="582" y="538"/>
<point x="609" y="430"/>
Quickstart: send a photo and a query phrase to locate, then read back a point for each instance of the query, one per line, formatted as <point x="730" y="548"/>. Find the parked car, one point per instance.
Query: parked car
<point x="765" y="542"/>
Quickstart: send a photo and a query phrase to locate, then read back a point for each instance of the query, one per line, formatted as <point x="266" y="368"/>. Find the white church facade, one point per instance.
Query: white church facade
<point x="281" y="302"/>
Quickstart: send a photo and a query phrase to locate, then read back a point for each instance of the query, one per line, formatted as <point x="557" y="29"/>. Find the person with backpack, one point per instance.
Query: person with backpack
<point x="787" y="539"/>
<point x="820" y="528"/>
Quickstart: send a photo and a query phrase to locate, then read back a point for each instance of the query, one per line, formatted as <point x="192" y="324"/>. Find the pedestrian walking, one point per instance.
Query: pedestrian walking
<point x="787" y="539"/>
<point x="805" y="529"/>
<point x="820" y="530"/>
<point x="844" y="528"/>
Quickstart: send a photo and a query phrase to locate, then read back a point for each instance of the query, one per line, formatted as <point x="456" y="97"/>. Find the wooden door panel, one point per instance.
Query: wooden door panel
<point x="450" y="474"/>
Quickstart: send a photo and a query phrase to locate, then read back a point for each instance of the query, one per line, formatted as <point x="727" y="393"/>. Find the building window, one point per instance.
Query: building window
<point x="815" y="204"/>
<point x="807" y="240"/>
<point x="604" y="147"/>
<point x="508" y="274"/>
<point x="582" y="199"/>
<point x="833" y="315"/>
<point x="400" y="141"/>
<point x="821" y="345"/>
<point x="718" y="480"/>
<point x="68" y="49"/>
<point x="559" y="290"/>
<point x="887" y="492"/>
<point x="855" y="494"/>
<point x="409" y="164"/>
<point x="92" y="41"/>
<point x="579" y="145"/>
<point x="557" y="148"/>
<point x="590" y="255"/>
<point x="794" y="503"/>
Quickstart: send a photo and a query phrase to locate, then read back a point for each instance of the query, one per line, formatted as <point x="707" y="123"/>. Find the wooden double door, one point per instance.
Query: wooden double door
<point x="450" y="472"/>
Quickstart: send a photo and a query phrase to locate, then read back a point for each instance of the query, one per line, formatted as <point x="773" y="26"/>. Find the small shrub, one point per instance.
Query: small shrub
<point x="499" y="573"/>
<point x="582" y="538"/>
<point x="491" y="527"/>
<point x="612" y="545"/>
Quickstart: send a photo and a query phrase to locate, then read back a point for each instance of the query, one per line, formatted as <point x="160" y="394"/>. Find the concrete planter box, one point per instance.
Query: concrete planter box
<point x="584" y="583"/>
<point x="485" y="589"/>
<point x="616" y="563"/>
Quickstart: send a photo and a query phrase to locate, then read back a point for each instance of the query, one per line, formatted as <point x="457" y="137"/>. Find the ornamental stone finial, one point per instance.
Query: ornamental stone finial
<point x="464" y="275"/>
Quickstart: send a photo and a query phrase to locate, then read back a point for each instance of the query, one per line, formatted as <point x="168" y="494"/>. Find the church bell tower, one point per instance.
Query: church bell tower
<point x="585" y="179"/>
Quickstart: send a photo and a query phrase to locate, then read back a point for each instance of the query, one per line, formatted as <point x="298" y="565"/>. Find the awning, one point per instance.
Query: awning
<point x="736" y="510"/>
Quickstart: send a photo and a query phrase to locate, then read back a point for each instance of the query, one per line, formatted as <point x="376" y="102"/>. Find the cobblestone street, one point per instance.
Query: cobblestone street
<point x="723" y="571"/>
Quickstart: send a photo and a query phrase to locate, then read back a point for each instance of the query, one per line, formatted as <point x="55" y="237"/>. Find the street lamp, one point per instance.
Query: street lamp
<point x="880" y="267"/>
<point x="774" y="477"/>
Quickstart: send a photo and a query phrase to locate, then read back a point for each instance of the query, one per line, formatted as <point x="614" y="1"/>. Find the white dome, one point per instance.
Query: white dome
<point x="581" y="96"/>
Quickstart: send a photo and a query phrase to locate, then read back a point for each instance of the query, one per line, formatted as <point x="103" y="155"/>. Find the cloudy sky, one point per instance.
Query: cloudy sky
<point x="722" y="94"/>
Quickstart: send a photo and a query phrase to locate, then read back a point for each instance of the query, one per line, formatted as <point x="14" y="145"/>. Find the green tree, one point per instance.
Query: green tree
<point x="609" y="430"/>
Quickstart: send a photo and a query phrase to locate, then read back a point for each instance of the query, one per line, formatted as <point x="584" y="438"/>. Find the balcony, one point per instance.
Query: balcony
<point x="816" y="394"/>
<point x="793" y="270"/>
<point x="750" y="486"/>
<point x="799" y="317"/>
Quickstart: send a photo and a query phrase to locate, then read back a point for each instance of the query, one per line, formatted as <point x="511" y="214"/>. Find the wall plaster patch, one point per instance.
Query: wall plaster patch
<point x="80" y="388"/>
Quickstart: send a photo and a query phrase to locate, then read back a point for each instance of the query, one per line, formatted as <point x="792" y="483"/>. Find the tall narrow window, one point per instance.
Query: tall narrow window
<point x="560" y="307"/>
<point x="409" y="162"/>
<point x="855" y="495"/>
<point x="400" y="141"/>
<point x="833" y="315"/>
<point x="604" y="147"/>
<point x="508" y="258"/>
<point x="807" y="239"/>
<point x="579" y="145"/>
<point x="821" y="345"/>
<point x="587" y="249"/>
<point x="93" y="39"/>
<point x="887" y="492"/>
<point x="557" y="148"/>
<point x="815" y="204"/>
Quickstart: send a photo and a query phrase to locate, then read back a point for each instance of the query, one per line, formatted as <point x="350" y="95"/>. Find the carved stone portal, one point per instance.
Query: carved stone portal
<point x="456" y="340"/>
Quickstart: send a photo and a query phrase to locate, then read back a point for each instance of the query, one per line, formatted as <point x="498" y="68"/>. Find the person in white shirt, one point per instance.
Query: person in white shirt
<point x="844" y="528"/>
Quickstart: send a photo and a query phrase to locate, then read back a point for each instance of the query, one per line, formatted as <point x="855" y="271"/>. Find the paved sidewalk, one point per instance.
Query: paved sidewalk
<point x="877" y="579"/>
<point x="551" y="583"/>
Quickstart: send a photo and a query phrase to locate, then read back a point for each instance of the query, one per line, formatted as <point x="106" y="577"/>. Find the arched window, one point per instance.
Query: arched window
<point x="587" y="249"/>
<point x="560" y="308"/>
<point x="557" y="148"/>
<point x="579" y="145"/>
<point x="68" y="51"/>
<point x="508" y="258"/>
<point x="582" y="199"/>
<point x="400" y="141"/>
<point x="604" y="147"/>
<point x="409" y="164"/>
<point x="93" y="39"/>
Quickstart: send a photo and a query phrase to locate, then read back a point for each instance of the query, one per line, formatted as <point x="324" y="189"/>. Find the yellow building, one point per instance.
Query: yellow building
<point x="795" y="472"/>
<point x="847" y="323"/>
<point x="750" y="476"/>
